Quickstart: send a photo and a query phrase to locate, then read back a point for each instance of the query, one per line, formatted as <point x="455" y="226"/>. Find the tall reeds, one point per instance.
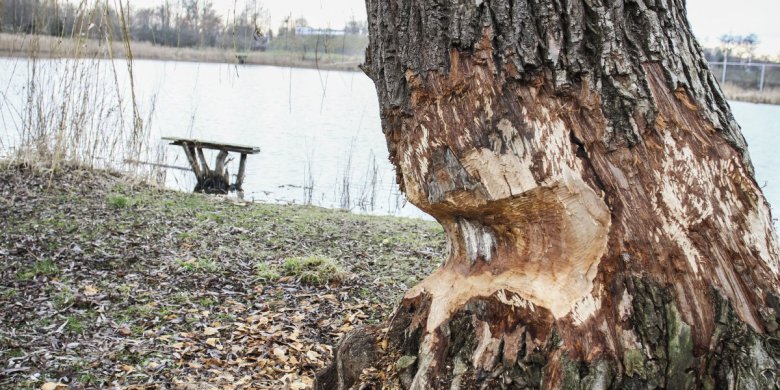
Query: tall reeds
<point x="72" y="103"/>
<point x="767" y="96"/>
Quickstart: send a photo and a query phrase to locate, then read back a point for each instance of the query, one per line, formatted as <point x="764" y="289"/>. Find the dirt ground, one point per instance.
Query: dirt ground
<point x="106" y="282"/>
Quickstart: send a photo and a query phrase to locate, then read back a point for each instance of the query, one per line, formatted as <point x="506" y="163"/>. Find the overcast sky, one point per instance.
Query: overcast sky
<point x="710" y="18"/>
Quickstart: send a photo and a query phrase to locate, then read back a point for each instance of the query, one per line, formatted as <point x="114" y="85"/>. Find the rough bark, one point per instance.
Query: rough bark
<point x="604" y="224"/>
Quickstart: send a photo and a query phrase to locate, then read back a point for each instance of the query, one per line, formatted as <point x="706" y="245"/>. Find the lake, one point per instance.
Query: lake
<point x="319" y="131"/>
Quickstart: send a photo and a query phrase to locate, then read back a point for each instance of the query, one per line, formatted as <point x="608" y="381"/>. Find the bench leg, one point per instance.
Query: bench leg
<point x="221" y="176"/>
<point x="189" y="151"/>
<point x="241" y="173"/>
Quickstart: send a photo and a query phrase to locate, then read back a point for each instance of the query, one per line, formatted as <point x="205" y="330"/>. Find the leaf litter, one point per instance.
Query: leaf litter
<point x="107" y="282"/>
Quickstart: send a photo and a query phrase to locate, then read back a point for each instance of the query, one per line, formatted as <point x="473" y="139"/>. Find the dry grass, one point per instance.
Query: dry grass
<point x="767" y="96"/>
<point x="20" y="45"/>
<point x="80" y="109"/>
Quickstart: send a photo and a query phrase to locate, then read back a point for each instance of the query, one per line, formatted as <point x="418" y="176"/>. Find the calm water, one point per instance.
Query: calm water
<point x="761" y="127"/>
<point x="319" y="131"/>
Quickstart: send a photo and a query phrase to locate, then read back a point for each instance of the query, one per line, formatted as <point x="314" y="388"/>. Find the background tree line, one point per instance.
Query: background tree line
<point x="175" y="23"/>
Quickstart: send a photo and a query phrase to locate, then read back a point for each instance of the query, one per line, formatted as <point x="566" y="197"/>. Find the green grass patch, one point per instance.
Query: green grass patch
<point x="313" y="270"/>
<point x="198" y="265"/>
<point x="8" y="294"/>
<point x="45" y="267"/>
<point x="75" y="324"/>
<point x="14" y="353"/>
<point x="62" y="298"/>
<point x="207" y="302"/>
<point x="144" y="311"/>
<point x="266" y="272"/>
<point x="186" y="236"/>
<point x="118" y="201"/>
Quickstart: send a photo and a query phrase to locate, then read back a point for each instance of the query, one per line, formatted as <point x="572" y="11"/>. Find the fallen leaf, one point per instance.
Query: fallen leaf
<point x="312" y="355"/>
<point x="298" y="385"/>
<point x="209" y="331"/>
<point x="90" y="290"/>
<point x="212" y="341"/>
<point x="53" y="386"/>
<point x="124" y="331"/>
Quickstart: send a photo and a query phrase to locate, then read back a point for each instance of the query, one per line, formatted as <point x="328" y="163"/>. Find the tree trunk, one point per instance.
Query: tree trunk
<point x="604" y="225"/>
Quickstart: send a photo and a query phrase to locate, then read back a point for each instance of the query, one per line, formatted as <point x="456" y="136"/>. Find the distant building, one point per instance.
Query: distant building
<point x="306" y="30"/>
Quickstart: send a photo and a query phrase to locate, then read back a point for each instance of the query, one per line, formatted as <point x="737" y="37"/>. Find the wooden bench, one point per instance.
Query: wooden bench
<point x="216" y="181"/>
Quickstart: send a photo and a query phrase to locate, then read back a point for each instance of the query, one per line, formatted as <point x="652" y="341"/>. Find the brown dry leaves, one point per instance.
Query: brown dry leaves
<point x="164" y="293"/>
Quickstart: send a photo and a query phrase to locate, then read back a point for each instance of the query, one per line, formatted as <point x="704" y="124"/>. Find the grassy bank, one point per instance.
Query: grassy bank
<point x="21" y="45"/>
<point x="107" y="282"/>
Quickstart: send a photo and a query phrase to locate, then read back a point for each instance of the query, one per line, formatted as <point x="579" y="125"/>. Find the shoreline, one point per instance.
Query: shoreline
<point x="21" y="46"/>
<point x="340" y="67"/>
<point x="39" y="46"/>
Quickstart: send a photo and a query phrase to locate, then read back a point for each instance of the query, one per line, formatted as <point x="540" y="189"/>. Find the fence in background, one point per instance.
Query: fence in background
<point x="747" y="75"/>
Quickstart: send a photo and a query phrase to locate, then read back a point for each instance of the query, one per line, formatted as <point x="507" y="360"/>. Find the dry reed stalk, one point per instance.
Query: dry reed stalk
<point x="73" y="109"/>
<point x="767" y="96"/>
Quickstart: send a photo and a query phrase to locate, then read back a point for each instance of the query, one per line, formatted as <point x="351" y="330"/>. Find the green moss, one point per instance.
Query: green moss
<point x="634" y="363"/>
<point x="570" y="373"/>
<point x="313" y="270"/>
<point x="680" y="347"/>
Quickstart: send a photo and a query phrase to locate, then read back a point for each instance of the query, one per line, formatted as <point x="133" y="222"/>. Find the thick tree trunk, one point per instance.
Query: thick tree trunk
<point x="604" y="224"/>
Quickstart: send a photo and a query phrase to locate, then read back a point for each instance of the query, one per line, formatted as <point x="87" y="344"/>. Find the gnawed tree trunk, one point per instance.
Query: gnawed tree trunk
<point x="604" y="225"/>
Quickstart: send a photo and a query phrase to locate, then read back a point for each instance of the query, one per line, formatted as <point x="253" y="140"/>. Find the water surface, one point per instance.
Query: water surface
<point x="319" y="131"/>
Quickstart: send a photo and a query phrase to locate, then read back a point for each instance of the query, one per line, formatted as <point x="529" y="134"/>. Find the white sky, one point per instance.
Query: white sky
<point x="710" y="18"/>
